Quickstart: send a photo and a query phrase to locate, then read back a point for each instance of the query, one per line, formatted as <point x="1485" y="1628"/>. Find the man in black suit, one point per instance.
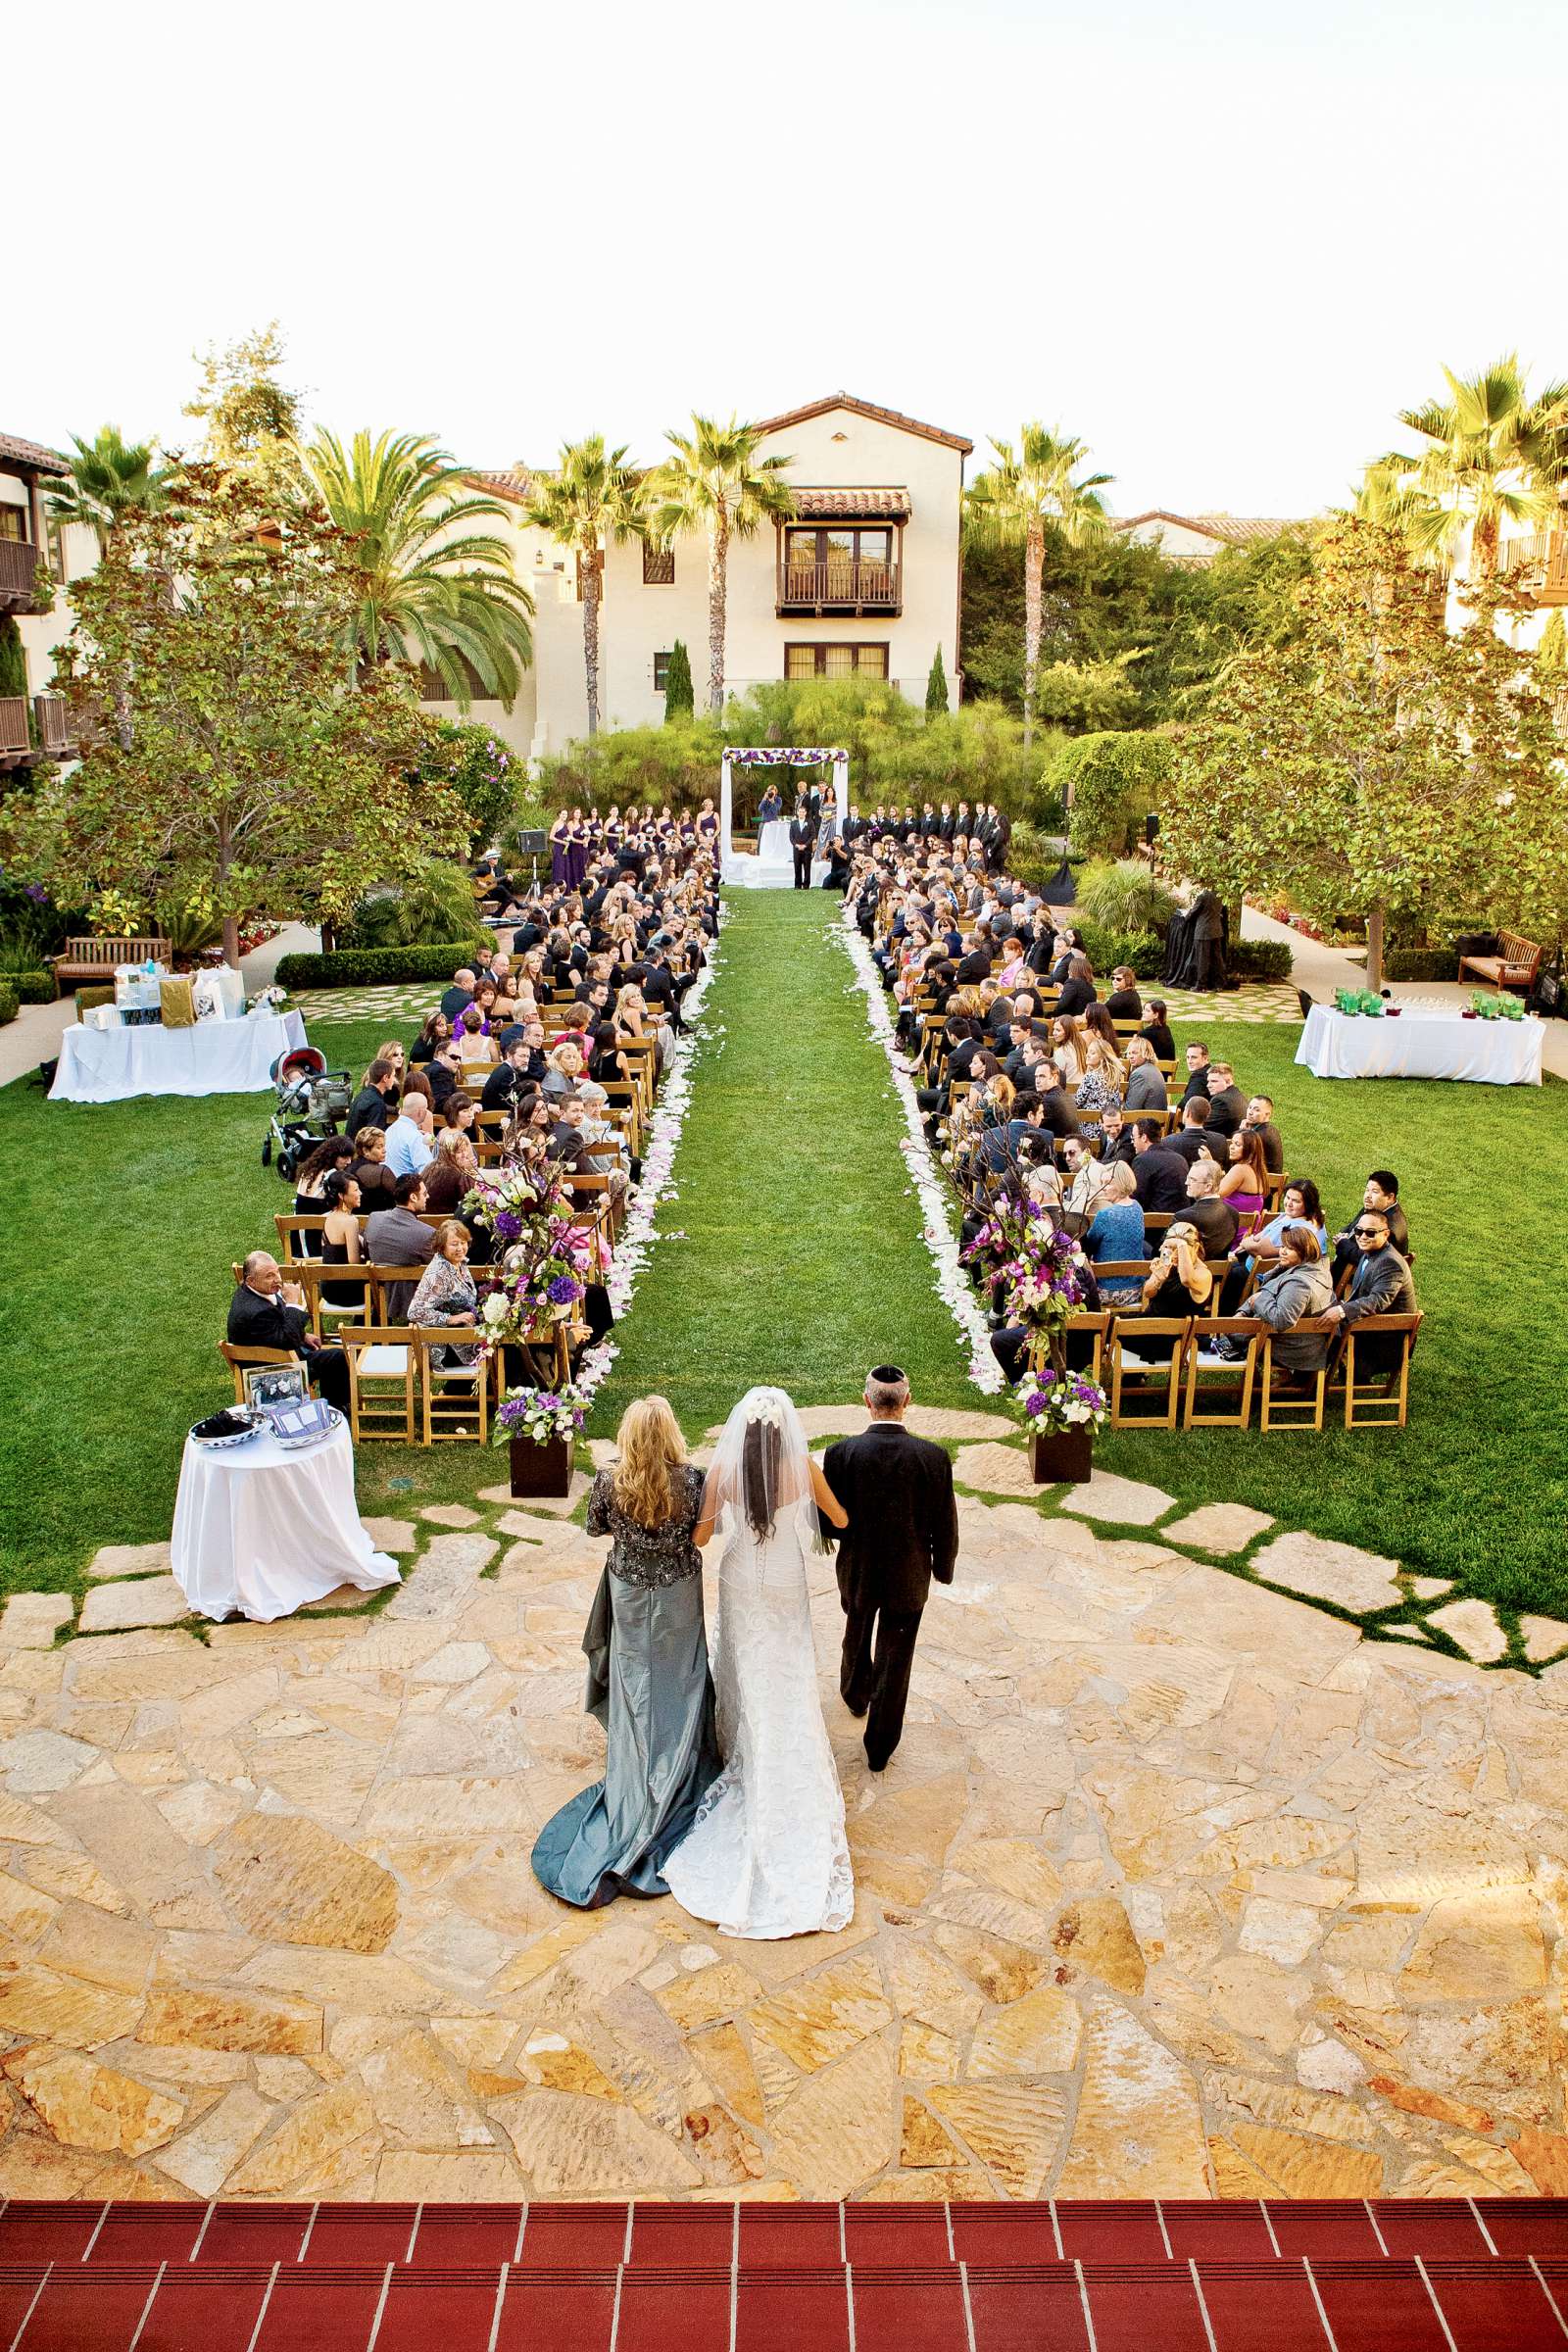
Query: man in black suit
<point x="1159" y="1178"/>
<point x="1260" y="1121"/>
<point x="903" y="1531"/>
<point x="265" y="1311"/>
<point x="1227" y="1105"/>
<point x="802" y="833"/>
<point x="372" y="1106"/>
<point x="1380" y="1198"/>
<point x="1195" y="1136"/>
<point x="508" y="1079"/>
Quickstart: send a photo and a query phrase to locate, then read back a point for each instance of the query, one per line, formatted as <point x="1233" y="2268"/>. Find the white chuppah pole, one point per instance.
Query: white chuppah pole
<point x="726" y="812"/>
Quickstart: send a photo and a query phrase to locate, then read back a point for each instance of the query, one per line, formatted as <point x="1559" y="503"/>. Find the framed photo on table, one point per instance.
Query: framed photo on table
<point x="276" y="1384"/>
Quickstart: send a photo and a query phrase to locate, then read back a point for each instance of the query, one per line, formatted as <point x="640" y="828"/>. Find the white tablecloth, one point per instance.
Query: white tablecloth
<point x="1421" y="1044"/>
<point x="214" y="1058"/>
<point x="259" y="1529"/>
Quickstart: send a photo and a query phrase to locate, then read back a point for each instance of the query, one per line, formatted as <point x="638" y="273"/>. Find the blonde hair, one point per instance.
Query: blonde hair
<point x="651" y="1447"/>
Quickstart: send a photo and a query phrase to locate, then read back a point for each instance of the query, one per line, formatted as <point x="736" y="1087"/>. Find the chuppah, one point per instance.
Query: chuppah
<point x="772" y="868"/>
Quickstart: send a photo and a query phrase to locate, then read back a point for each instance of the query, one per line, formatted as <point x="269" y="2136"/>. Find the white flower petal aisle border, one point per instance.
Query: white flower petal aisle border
<point x="930" y="1185"/>
<point x="635" y="1243"/>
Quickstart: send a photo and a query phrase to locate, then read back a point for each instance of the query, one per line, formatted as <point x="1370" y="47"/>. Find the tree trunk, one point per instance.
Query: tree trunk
<point x="232" y="940"/>
<point x="717" y="588"/>
<point x="1374" y="948"/>
<point x="592" y="577"/>
<point x="1034" y="565"/>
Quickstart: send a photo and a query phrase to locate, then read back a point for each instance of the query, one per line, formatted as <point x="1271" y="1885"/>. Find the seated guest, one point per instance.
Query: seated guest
<point x="1178" y="1283"/>
<point x="1381" y="1197"/>
<point x="1060" y="1116"/>
<point x="397" y="1236"/>
<point x="1115" y="1136"/>
<point x="408" y="1140"/>
<point x="1157" y="1028"/>
<point x="1197" y="1071"/>
<point x="309" y="1185"/>
<point x="999" y="1146"/>
<point x="1146" y="1080"/>
<point x="431" y="1038"/>
<point x="341" y="1240"/>
<point x="1195" y="1139"/>
<point x="462" y="1111"/>
<point x="1300" y="1205"/>
<point x="444" y="1291"/>
<point x="1381" y="1285"/>
<point x="443" y="1075"/>
<point x="1227" y="1105"/>
<point x="370" y="1172"/>
<point x="1095" y="1021"/>
<point x="1260" y="1121"/>
<point x="1068" y="1049"/>
<point x="1243" y="1179"/>
<point x="1115" y="1234"/>
<point x="452" y="1173"/>
<point x="265" y="1311"/>
<point x="1078" y="988"/>
<point x="1124" y="1003"/>
<point x="375" y="1106"/>
<point x="1297" y="1288"/>
<point x="1159" y="1176"/>
<point x="1103" y="1082"/>
<point x="459" y="995"/>
<point x="508" y="1080"/>
<point x="1088" y="1178"/>
<point x="471" y="1036"/>
<point x="1214" y="1220"/>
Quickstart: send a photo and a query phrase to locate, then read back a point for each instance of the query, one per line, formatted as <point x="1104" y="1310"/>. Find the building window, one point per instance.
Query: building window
<point x="433" y="688"/>
<point x="835" y="661"/>
<point x="658" y="566"/>
<point x="661" y="674"/>
<point x="14" y="524"/>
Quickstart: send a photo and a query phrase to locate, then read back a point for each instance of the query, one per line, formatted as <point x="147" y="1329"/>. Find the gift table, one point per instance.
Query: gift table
<point x="264" y="1528"/>
<point x="211" y="1058"/>
<point x="1421" y="1042"/>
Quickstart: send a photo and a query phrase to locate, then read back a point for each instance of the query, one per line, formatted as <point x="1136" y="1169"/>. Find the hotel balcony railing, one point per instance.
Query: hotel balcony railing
<point x="13" y="736"/>
<point x="846" y="587"/>
<point x="57" y="728"/>
<point x="18" y="567"/>
<point x="1546" y="553"/>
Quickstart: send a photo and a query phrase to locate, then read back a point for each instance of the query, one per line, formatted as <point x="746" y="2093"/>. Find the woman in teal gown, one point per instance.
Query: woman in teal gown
<point x="647" y="1676"/>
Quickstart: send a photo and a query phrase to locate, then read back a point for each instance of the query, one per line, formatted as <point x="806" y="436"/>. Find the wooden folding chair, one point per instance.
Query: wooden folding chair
<point x="381" y="1361"/>
<point x="1150" y="1382"/>
<point x="292" y="1233"/>
<point x="1219" y="1391"/>
<point x="455" y="1397"/>
<point x="383" y="1278"/>
<point x="237" y="1358"/>
<point x="1380" y="1399"/>
<point x="1098" y="1326"/>
<point x="1291" y="1400"/>
<point x="315" y="1279"/>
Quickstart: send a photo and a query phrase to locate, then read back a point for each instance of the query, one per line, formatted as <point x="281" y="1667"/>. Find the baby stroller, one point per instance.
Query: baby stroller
<point x="310" y="1102"/>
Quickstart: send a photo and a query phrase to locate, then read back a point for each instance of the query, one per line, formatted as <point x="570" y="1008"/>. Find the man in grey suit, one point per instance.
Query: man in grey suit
<point x="1381" y="1285"/>
<point x="903" y="1531"/>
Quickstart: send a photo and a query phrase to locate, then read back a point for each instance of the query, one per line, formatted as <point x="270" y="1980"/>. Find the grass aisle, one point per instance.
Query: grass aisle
<point x="803" y="1263"/>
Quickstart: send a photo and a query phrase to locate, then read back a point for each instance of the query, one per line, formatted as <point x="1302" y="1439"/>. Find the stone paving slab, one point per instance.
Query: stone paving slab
<point x="1175" y="1883"/>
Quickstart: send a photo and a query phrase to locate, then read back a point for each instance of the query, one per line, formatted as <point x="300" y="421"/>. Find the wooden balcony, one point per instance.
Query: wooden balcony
<point x="57" y="726"/>
<point x="846" y="587"/>
<point x="16" y="744"/>
<point x="1544" y="554"/>
<point x="18" y="565"/>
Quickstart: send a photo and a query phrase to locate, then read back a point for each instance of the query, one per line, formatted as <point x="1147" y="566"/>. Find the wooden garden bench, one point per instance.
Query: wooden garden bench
<point x="1515" y="967"/>
<point x="92" y="959"/>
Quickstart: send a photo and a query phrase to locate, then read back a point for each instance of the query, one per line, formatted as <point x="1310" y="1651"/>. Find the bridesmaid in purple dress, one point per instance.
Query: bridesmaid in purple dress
<point x="576" y="854"/>
<point x="557" y="850"/>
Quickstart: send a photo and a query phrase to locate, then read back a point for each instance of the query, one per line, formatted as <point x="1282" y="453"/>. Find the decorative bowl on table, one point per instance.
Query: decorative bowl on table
<point x="298" y="1426"/>
<point x="235" y="1425"/>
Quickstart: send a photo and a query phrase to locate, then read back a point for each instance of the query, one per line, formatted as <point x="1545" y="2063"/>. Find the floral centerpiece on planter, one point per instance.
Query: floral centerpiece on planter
<point x="1034" y="1272"/>
<point x="544" y="1416"/>
<point x="541" y="1277"/>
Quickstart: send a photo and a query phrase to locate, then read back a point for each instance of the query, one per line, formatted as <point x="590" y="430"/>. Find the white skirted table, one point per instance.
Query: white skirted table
<point x="264" y="1530"/>
<point x="1421" y="1043"/>
<point x="211" y="1058"/>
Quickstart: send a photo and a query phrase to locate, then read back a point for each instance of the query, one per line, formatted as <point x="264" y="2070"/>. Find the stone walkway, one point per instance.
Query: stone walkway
<point x="1177" y="1887"/>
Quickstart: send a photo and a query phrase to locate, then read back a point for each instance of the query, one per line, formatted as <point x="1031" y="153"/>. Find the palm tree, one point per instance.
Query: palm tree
<point x="592" y="498"/>
<point x="1022" y="497"/>
<point x="1491" y="456"/>
<point x="434" y="591"/>
<point x="716" y="482"/>
<point x="108" y="478"/>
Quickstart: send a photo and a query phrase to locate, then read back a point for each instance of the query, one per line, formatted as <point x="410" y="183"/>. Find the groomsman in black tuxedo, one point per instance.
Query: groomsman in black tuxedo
<point x="903" y="1531"/>
<point x="802" y="836"/>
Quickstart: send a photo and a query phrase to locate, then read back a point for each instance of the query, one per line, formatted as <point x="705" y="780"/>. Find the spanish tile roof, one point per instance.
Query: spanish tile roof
<point x="864" y="408"/>
<point x="513" y="483"/>
<point x="884" y="503"/>
<point x="1229" y="530"/>
<point x="14" y="450"/>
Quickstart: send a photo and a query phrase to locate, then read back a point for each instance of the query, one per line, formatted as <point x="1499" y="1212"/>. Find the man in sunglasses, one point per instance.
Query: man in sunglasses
<point x="1382" y="1285"/>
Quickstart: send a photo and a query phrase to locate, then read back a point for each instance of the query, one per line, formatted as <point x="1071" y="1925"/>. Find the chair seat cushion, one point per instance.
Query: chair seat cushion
<point x="383" y="1363"/>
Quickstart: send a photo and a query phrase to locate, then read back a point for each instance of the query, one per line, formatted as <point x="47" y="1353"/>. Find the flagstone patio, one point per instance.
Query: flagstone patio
<point x="1177" y="1887"/>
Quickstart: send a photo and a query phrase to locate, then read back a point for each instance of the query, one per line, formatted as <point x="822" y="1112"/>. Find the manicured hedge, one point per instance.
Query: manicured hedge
<point x="33" y="988"/>
<point x="8" y="1004"/>
<point x="1259" y="959"/>
<point x="366" y="967"/>
<point x="1420" y="963"/>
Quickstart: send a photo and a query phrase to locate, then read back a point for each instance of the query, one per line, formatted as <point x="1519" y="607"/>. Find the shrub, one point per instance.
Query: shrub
<point x="1110" y="783"/>
<point x="935" y="687"/>
<point x="1140" y="950"/>
<point x="435" y="904"/>
<point x="366" y="967"/>
<point x="30" y="988"/>
<point x="8" y="1004"/>
<point x="189" y="934"/>
<point x="480" y="769"/>
<point x="679" y="700"/>
<point x="1259" y="959"/>
<point x="1126" y="895"/>
<point x="1419" y="963"/>
<point x="1033" y="854"/>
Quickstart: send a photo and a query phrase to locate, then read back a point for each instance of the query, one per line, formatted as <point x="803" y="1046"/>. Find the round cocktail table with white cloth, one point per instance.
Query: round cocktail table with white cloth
<point x="1426" y="1043"/>
<point x="264" y="1530"/>
<point x="212" y="1058"/>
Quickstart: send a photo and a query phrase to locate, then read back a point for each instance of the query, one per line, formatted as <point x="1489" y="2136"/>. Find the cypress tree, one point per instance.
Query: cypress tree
<point x="935" y="687"/>
<point x="12" y="662"/>
<point x="677" y="684"/>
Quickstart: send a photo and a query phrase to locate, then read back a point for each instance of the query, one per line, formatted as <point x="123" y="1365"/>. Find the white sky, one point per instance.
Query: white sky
<point x="1221" y="242"/>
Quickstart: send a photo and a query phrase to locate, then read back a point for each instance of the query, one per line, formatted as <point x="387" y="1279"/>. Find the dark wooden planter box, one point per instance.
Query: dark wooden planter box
<point x="1057" y="1456"/>
<point x="543" y="1469"/>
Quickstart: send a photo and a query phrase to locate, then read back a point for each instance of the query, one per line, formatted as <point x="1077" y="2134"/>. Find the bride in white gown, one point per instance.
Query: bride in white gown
<point x="767" y="1854"/>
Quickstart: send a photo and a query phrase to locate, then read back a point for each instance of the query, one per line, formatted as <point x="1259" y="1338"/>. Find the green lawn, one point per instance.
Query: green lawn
<point x="802" y="1263"/>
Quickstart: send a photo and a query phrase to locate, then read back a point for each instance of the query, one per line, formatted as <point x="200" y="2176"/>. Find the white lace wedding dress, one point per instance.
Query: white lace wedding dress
<point x="766" y="1855"/>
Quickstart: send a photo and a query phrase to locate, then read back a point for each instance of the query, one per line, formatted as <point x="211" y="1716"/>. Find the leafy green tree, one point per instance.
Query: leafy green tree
<point x="479" y="769"/>
<point x="434" y="591"/>
<point x="1377" y="764"/>
<point x="109" y="476"/>
<point x="1110" y="782"/>
<point x="251" y="422"/>
<point x="935" y="687"/>
<point x="1019" y="499"/>
<point x="254" y="780"/>
<point x="1492" y="454"/>
<point x="679" y="700"/>
<point x="592" y="501"/>
<point x="714" y="481"/>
